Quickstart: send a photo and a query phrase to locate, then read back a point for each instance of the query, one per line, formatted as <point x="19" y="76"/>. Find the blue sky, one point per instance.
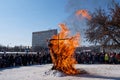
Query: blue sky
<point x="19" y="18"/>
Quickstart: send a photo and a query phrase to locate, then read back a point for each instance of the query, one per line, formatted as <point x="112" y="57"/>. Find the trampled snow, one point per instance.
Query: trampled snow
<point x="44" y="72"/>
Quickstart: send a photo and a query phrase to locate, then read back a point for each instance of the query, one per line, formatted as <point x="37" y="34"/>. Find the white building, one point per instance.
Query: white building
<point x="39" y="39"/>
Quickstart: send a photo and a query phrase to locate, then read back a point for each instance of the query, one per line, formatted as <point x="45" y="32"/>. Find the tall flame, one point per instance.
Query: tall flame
<point x="62" y="48"/>
<point x="84" y="13"/>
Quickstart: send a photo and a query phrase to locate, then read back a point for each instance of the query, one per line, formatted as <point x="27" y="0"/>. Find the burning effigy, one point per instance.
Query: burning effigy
<point x="62" y="48"/>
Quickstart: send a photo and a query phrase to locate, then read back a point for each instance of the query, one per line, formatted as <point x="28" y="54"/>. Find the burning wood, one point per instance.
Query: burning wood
<point x="62" y="49"/>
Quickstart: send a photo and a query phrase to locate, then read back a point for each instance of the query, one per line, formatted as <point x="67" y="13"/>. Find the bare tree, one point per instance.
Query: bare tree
<point x="104" y="27"/>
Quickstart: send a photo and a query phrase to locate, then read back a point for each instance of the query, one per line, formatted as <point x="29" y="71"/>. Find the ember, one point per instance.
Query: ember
<point x="83" y="13"/>
<point x="62" y="48"/>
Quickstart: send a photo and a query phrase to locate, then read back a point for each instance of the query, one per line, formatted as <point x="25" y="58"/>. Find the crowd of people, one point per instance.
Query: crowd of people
<point x="98" y="58"/>
<point x="12" y="60"/>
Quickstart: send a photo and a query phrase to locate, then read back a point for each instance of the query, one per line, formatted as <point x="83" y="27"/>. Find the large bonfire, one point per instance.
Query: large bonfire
<point x="62" y="47"/>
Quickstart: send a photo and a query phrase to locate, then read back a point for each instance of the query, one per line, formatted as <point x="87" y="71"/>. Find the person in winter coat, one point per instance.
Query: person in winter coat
<point x="106" y="58"/>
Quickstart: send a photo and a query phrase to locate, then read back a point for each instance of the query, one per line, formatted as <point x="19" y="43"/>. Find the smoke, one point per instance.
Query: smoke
<point x="78" y="24"/>
<point x="74" y="5"/>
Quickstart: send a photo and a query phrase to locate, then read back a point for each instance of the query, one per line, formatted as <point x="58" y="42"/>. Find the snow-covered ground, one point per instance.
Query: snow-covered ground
<point x="44" y="72"/>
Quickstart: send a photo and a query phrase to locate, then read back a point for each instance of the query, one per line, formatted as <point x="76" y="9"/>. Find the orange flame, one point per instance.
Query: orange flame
<point x="62" y="49"/>
<point x="84" y="13"/>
